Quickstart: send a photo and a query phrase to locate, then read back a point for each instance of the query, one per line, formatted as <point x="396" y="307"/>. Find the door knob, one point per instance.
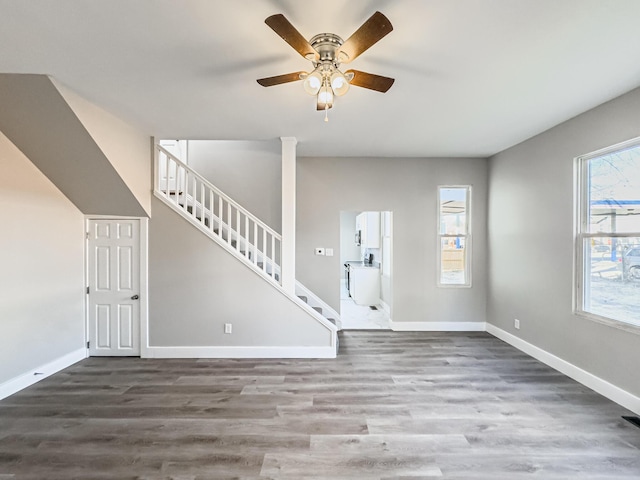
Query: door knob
<point x="135" y="297"/>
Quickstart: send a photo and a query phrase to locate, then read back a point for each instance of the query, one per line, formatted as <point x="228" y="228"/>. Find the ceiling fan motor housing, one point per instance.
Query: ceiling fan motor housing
<point x="326" y="44"/>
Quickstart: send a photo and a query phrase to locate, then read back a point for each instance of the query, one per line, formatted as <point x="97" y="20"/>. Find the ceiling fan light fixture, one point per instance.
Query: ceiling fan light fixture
<point x="339" y="83"/>
<point x="325" y="96"/>
<point x="313" y="82"/>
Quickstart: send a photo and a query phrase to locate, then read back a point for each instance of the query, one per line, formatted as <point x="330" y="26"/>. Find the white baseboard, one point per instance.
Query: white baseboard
<point x="43" y="371"/>
<point x="604" y="388"/>
<point x="437" y="326"/>
<point x="239" y="352"/>
<point x="385" y="307"/>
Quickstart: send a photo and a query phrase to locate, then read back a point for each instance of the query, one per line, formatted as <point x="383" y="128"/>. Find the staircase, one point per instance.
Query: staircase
<point x="308" y="297"/>
<point x="233" y="227"/>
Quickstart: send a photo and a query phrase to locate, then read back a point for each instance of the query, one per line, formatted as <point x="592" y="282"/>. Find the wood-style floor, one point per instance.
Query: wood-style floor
<point x="393" y="406"/>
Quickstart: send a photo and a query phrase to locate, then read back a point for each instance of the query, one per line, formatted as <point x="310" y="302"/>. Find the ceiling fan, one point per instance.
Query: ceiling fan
<point x="327" y="51"/>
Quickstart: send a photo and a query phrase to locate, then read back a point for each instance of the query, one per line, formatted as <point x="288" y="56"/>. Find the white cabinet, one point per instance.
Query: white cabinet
<point x="352" y="285"/>
<point x="368" y="224"/>
<point x="364" y="285"/>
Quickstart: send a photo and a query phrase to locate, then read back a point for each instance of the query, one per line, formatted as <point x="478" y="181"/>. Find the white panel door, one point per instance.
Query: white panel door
<point x="114" y="287"/>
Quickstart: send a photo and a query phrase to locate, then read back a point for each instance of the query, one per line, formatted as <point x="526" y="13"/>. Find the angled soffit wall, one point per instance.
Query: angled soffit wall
<point x="38" y="120"/>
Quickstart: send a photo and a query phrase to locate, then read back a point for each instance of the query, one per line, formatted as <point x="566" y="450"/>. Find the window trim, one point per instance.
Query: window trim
<point x="467" y="240"/>
<point x="581" y="233"/>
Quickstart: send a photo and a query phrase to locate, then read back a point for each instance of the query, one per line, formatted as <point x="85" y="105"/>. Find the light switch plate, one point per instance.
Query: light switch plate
<point x="319" y="251"/>
<point x="328" y="252"/>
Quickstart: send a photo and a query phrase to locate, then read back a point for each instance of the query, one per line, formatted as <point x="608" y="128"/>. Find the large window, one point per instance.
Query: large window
<point x="454" y="232"/>
<point x="608" y="234"/>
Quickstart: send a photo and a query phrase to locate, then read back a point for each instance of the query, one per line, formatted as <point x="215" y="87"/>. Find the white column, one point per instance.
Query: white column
<point x="289" y="214"/>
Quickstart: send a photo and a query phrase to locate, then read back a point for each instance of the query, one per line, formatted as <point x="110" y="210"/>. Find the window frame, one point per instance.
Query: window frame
<point x="582" y="234"/>
<point x="467" y="239"/>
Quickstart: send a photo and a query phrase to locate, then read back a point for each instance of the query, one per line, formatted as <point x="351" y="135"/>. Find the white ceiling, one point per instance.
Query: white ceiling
<point x="473" y="77"/>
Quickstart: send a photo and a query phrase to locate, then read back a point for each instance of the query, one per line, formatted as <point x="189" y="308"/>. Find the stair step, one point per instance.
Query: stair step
<point x="303" y="298"/>
<point x="222" y="235"/>
<point x="233" y="242"/>
<point x="190" y="210"/>
<point x="206" y="221"/>
<point x="332" y="320"/>
<point x="318" y="309"/>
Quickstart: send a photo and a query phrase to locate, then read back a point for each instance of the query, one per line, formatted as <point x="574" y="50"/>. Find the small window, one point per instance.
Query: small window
<point x="454" y="236"/>
<point x="608" y="234"/>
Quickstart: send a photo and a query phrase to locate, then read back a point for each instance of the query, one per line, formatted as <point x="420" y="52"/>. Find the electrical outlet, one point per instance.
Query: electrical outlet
<point x="516" y="323"/>
<point x="328" y="252"/>
<point x="319" y="251"/>
<point x="228" y="328"/>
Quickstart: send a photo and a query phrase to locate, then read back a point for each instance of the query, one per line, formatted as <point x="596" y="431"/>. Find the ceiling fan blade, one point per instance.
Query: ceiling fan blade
<point x="370" y="81"/>
<point x="279" y="79"/>
<point x="289" y="34"/>
<point x="374" y="29"/>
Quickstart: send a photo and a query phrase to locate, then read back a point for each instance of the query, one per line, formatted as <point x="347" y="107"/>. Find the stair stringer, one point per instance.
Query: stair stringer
<point x="308" y="309"/>
<point x="316" y="302"/>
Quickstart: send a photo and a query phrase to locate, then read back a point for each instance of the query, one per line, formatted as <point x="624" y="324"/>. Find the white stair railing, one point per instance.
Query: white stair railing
<point x="217" y="214"/>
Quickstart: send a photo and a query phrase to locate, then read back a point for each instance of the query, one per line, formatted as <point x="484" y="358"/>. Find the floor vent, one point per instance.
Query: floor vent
<point x="373" y="307"/>
<point x="633" y="420"/>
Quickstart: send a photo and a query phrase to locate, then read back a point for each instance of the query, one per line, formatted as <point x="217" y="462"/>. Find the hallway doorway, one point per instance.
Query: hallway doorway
<point x="366" y="277"/>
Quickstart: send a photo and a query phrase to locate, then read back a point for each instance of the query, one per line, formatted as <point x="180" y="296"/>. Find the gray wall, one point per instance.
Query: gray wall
<point x="408" y="188"/>
<point x="42" y="306"/>
<point x="250" y="172"/>
<point x="195" y="287"/>
<point x="531" y="244"/>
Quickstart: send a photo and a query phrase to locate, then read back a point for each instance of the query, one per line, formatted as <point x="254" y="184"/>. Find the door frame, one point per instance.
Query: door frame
<point x="144" y="278"/>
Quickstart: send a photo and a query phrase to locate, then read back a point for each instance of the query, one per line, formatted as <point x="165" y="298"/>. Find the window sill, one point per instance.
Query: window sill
<point x="620" y="325"/>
